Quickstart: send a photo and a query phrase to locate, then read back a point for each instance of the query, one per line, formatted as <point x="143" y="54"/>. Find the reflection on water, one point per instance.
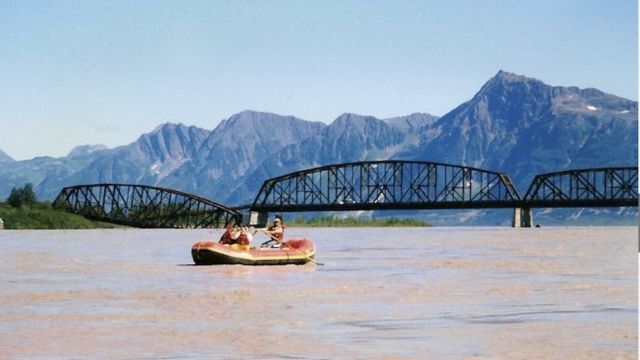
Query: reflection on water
<point x="382" y="294"/>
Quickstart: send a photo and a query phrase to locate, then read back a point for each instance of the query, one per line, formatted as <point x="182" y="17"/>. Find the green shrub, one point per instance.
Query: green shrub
<point x="42" y="216"/>
<point x="22" y="196"/>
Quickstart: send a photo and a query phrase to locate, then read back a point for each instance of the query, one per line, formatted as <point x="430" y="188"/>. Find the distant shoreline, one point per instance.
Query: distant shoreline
<point x="334" y="221"/>
<point x="42" y="216"/>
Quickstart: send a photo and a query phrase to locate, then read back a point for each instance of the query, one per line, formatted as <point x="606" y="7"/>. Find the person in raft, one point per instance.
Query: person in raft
<point x="236" y="237"/>
<point x="276" y="231"/>
<point x="226" y="239"/>
<point x="245" y="236"/>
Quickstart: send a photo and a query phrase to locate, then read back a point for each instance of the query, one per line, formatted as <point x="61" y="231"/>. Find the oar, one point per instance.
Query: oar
<point x="296" y="250"/>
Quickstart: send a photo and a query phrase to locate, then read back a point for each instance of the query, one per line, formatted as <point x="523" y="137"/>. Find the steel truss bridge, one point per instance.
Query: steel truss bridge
<point x="604" y="187"/>
<point x="379" y="185"/>
<point x="366" y="185"/>
<point x="144" y="206"/>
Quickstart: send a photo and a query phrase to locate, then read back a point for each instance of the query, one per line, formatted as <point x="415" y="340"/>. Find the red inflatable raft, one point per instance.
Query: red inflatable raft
<point x="294" y="251"/>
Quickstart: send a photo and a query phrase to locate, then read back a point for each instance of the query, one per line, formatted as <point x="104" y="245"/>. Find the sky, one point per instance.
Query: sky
<point x="105" y="72"/>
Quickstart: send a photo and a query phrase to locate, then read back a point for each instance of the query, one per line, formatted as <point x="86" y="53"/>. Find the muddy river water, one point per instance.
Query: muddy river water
<point x="410" y="293"/>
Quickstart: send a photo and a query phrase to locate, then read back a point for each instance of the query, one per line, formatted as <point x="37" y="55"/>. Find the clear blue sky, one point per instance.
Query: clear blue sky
<point x="89" y="72"/>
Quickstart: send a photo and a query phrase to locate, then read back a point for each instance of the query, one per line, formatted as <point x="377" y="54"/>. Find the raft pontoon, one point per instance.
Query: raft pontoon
<point x="294" y="251"/>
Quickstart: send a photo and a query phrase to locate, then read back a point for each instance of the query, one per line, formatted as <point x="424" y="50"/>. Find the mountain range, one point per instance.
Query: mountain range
<point x="513" y="124"/>
<point x="4" y="157"/>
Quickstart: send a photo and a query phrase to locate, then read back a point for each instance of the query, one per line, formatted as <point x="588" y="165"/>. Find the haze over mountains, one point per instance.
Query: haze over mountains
<point x="514" y="124"/>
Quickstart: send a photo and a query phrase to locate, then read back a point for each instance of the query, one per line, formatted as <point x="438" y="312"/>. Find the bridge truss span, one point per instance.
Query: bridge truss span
<point x="392" y="184"/>
<point x="144" y="206"/>
<point x="598" y="187"/>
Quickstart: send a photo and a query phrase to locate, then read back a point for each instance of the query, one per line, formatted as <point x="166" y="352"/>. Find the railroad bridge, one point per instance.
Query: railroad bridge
<point x="144" y="206"/>
<point x="365" y="185"/>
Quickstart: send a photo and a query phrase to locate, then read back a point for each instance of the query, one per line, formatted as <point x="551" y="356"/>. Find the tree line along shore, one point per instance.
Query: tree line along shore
<point x="22" y="210"/>
<point x="42" y="215"/>
<point x="335" y="221"/>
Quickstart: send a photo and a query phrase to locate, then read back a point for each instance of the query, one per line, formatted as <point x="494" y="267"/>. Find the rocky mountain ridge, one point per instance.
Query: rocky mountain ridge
<point x="524" y="127"/>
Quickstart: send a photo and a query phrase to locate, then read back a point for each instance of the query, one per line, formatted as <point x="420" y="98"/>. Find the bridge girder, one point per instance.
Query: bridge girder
<point x="596" y="187"/>
<point x="144" y="206"/>
<point x="391" y="184"/>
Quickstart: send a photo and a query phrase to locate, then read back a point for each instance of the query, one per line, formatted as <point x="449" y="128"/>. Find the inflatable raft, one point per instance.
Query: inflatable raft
<point x="294" y="251"/>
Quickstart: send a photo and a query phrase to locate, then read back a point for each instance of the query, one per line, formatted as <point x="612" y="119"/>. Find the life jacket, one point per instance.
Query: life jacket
<point x="278" y="236"/>
<point x="226" y="238"/>
<point x="243" y="239"/>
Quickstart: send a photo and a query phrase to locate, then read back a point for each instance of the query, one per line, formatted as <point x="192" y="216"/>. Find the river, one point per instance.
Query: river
<point x="402" y="293"/>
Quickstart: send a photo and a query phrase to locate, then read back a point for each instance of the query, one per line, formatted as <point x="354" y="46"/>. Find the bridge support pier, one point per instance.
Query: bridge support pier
<point x="522" y="217"/>
<point x="255" y="218"/>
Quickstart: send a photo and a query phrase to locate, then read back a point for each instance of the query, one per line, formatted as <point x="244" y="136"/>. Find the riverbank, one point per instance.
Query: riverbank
<point x="42" y="216"/>
<point x="334" y="221"/>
